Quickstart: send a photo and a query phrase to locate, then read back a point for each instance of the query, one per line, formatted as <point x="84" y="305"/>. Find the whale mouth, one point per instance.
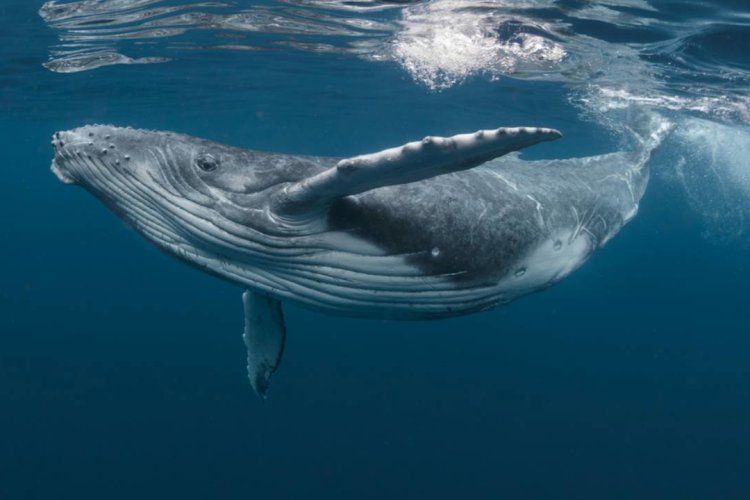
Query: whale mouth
<point x="58" y="162"/>
<point x="61" y="174"/>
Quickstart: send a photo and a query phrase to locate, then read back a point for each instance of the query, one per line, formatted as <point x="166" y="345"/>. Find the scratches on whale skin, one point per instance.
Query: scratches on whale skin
<point x="473" y="230"/>
<point x="500" y="176"/>
<point x="628" y="178"/>
<point x="539" y="207"/>
<point x="583" y="183"/>
<point x="578" y="225"/>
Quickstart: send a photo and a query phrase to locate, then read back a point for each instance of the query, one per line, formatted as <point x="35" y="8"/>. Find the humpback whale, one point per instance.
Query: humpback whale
<point x="433" y="228"/>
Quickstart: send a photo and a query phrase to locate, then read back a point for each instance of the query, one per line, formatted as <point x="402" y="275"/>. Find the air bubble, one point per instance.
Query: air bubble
<point x="520" y="272"/>
<point x="557" y="245"/>
<point x="435" y="252"/>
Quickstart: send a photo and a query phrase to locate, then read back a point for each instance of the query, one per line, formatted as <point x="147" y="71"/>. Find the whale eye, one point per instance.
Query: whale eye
<point x="206" y="162"/>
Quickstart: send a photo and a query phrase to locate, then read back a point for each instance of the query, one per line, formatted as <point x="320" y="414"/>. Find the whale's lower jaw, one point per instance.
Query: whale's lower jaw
<point x="60" y="174"/>
<point x="387" y="287"/>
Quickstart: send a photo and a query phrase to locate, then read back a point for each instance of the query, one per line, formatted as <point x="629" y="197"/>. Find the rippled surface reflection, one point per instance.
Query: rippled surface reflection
<point x="439" y="43"/>
<point x="97" y="33"/>
<point x="685" y="59"/>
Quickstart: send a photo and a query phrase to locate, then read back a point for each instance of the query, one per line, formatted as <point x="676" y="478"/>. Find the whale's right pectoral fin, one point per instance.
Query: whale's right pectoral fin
<point x="411" y="162"/>
<point x="264" y="337"/>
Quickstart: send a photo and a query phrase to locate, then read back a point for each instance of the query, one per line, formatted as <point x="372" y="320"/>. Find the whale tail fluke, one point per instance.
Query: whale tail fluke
<point x="411" y="162"/>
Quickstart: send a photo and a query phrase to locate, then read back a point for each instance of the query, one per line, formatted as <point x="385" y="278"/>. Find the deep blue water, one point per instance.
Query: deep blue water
<point x="122" y="371"/>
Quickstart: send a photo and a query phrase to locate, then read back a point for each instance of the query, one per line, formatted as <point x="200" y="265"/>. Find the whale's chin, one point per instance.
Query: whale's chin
<point x="56" y="168"/>
<point x="61" y="174"/>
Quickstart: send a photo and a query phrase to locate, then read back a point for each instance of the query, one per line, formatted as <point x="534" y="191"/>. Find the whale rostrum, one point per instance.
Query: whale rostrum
<point x="431" y="229"/>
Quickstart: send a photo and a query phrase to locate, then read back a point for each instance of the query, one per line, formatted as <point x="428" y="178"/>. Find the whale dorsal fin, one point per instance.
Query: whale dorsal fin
<point x="413" y="161"/>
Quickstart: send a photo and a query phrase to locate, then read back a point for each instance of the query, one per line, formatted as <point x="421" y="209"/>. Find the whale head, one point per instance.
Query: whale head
<point x="183" y="193"/>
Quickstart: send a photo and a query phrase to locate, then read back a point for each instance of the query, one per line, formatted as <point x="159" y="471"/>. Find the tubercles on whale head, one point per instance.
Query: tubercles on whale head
<point x="171" y="187"/>
<point x="88" y="157"/>
<point x="56" y="167"/>
<point x="144" y="176"/>
<point x="108" y="160"/>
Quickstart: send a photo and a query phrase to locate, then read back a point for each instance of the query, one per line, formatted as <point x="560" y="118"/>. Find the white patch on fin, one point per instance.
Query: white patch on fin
<point x="411" y="162"/>
<point x="264" y="337"/>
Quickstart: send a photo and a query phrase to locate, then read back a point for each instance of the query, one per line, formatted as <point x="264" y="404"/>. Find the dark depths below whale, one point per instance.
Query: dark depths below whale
<point x="429" y="229"/>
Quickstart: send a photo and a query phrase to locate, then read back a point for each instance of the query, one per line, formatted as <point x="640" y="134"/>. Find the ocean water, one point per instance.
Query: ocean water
<point x="122" y="371"/>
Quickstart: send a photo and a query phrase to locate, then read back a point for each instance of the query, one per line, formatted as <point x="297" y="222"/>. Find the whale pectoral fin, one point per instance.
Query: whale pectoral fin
<point x="264" y="337"/>
<point x="411" y="162"/>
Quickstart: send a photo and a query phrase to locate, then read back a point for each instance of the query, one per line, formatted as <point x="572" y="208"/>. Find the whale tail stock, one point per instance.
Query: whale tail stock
<point x="411" y="162"/>
<point x="648" y="131"/>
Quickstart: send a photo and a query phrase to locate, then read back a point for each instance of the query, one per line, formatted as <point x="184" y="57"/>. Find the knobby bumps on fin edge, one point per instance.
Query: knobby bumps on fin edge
<point x="410" y="162"/>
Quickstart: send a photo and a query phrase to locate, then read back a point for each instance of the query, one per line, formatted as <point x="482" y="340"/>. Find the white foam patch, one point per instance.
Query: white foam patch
<point x="443" y="42"/>
<point x="604" y="99"/>
<point x="712" y="163"/>
<point x="727" y="148"/>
